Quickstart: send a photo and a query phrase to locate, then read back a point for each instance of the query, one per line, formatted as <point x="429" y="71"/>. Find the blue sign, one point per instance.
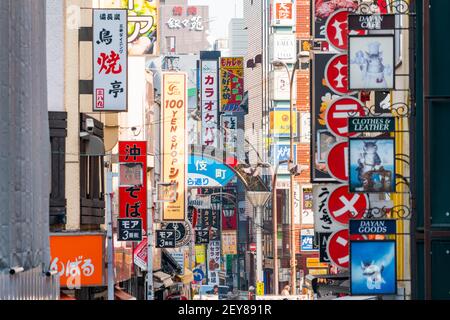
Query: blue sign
<point x="207" y="172"/>
<point x="281" y="152"/>
<point x="365" y="227"/>
<point x="307" y="243"/>
<point x="199" y="275"/>
<point x="373" y="269"/>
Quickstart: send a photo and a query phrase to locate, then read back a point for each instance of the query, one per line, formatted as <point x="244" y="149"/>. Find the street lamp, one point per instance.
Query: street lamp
<point x="291" y="165"/>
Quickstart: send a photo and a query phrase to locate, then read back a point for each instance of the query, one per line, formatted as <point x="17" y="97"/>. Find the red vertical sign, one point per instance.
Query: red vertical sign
<point x="133" y="199"/>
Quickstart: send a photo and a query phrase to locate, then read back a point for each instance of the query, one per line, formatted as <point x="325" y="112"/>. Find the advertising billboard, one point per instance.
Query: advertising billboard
<point x="174" y="142"/>
<point x="209" y="88"/>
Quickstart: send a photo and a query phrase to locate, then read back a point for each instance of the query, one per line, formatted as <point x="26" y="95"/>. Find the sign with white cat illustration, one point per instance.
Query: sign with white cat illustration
<point x="372" y="165"/>
<point x="371" y="61"/>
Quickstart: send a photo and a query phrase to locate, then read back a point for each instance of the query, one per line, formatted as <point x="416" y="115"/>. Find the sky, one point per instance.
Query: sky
<point x="220" y="12"/>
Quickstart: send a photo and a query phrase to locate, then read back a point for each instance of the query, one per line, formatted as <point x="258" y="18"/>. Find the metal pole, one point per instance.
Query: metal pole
<point x="109" y="233"/>
<point x="275" y="233"/>
<point x="259" y="271"/>
<point x="291" y="189"/>
<point x="150" y="293"/>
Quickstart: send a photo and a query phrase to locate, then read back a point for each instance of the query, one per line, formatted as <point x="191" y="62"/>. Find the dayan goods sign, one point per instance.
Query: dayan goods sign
<point x="174" y="145"/>
<point x="209" y="88"/>
<point x="78" y="259"/>
<point x="231" y="83"/>
<point x="373" y="226"/>
<point x="283" y="13"/>
<point x="110" y="60"/>
<point x="133" y="198"/>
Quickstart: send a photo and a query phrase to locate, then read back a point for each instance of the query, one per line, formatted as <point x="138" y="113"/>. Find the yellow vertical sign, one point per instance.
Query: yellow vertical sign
<point x="260" y="289"/>
<point x="200" y="254"/>
<point x="174" y="143"/>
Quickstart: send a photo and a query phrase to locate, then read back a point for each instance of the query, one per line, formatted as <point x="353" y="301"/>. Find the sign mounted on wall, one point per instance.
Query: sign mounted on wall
<point x="337" y="31"/>
<point x="373" y="226"/>
<point x="174" y="142"/>
<point x="231" y="84"/>
<point x="133" y="198"/>
<point x="373" y="268"/>
<point x="339" y="112"/>
<point x="78" y="259"/>
<point x="283" y="13"/>
<point x="336" y="75"/>
<point x="110" y="60"/>
<point x="343" y="205"/>
<point x="283" y="48"/>
<point x="371" y="22"/>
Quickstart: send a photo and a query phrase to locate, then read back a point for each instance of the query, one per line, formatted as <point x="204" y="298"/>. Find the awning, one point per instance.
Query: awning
<point x="187" y="278"/>
<point x="119" y="294"/>
<point x="164" y="278"/>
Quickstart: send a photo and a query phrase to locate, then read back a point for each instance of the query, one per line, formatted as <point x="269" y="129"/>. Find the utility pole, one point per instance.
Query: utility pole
<point x="109" y="231"/>
<point x="150" y="293"/>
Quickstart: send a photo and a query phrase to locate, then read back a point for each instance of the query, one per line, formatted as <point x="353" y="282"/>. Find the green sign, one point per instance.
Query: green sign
<point x="371" y="124"/>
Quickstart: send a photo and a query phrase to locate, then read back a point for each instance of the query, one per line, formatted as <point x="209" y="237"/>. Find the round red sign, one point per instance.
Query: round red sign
<point x="336" y="74"/>
<point x="343" y="205"/>
<point x="338" y="248"/>
<point x="338" y="113"/>
<point x="337" y="161"/>
<point x="336" y="30"/>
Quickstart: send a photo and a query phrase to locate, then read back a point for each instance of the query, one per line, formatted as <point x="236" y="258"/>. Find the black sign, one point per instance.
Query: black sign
<point x="165" y="238"/>
<point x="130" y="230"/>
<point x="371" y="124"/>
<point x="182" y="234"/>
<point x="201" y="237"/>
<point x="375" y="226"/>
<point x="323" y="241"/>
<point x="371" y="22"/>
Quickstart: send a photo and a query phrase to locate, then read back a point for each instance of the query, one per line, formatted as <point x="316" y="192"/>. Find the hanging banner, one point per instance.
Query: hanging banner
<point x="373" y="268"/>
<point x="110" y="60"/>
<point x="282" y="13"/>
<point x="372" y="165"/>
<point x="174" y="142"/>
<point x="209" y="88"/>
<point x="133" y="198"/>
<point x="231" y="84"/>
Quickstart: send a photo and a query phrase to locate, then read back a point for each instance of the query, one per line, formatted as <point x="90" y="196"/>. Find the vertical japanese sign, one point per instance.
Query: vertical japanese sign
<point x="307" y="205"/>
<point x="282" y="12"/>
<point x="133" y="198"/>
<point x="231" y="83"/>
<point x="229" y="123"/>
<point x="174" y="145"/>
<point x="209" y="100"/>
<point x="213" y="262"/>
<point x="229" y="242"/>
<point x="110" y="60"/>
